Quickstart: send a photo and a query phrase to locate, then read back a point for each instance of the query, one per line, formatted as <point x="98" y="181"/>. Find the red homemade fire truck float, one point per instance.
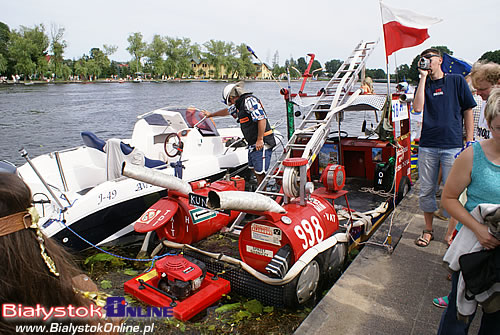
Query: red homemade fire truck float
<point x="309" y="211"/>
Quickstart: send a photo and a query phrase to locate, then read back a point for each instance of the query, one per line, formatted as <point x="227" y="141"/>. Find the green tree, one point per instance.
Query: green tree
<point x="216" y="54"/>
<point x="184" y="58"/>
<point x="93" y="68"/>
<point x="4" y="40"/>
<point x="278" y="70"/>
<point x="112" y="69"/>
<point x="136" y="48"/>
<point x="244" y="66"/>
<point x="28" y="49"/>
<point x="195" y="51"/>
<point x="100" y="62"/>
<point x="155" y="52"/>
<point x="195" y="54"/>
<point x="403" y="72"/>
<point x="332" y="66"/>
<point x="301" y="65"/>
<point x="109" y="49"/>
<point x="491" y="56"/>
<point x="66" y="71"/>
<point x="179" y="54"/>
<point x="3" y="64"/>
<point x="81" y="68"/>
<point x="376" y="73"/>
<point x="316" y="68"/>
<point x="57" y="46"/>
<point x="291" y="64"/>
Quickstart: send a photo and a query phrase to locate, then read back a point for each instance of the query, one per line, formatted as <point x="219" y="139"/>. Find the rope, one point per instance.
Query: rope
<point x="388" y="239"/>
<point x="152" y="260"/>
<point x="372" y="191"/>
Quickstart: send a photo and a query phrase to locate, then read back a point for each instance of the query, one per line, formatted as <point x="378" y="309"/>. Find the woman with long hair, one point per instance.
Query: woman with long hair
<point x="35" y="269"/>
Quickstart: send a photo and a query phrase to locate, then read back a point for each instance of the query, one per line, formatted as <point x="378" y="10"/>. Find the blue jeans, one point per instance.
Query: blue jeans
<point x="450" y="325"/>
<point x="429" y="160"/>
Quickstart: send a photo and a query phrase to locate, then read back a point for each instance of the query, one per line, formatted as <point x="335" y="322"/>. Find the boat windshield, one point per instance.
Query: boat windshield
<point x="193" y="115"/>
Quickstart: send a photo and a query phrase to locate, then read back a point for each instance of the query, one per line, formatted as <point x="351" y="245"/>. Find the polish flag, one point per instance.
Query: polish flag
<point x="404" y="28"/>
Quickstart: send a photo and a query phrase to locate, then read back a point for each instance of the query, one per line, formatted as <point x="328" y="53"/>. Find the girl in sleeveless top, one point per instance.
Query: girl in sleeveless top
<point x="478" y="170"/>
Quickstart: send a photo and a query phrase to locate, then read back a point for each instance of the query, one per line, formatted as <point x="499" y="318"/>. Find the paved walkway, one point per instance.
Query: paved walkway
<point x="383" y="293"/>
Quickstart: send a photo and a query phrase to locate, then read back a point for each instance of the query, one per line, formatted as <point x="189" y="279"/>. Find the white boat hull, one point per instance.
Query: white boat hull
<point x="83" y="195"/>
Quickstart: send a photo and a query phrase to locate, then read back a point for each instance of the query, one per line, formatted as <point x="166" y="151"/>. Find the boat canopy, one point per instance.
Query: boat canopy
<point x="368" y="102"/>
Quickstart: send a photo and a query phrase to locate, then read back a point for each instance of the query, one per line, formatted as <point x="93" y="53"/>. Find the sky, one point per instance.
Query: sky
<point x="328" y="28"/>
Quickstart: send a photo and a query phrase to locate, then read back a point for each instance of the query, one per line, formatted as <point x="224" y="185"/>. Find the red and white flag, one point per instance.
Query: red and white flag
<point x="404" y="28"/>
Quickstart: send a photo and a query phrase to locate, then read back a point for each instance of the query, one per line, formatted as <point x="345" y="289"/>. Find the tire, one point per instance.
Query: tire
<point x="305" y="286"/>
<point x="335" y="262"/>
<point x="403" y="189"/>
<point x="153" y="243"/>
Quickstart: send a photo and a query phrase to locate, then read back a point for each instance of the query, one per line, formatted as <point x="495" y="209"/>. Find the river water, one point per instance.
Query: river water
<point x="50" y="117"/>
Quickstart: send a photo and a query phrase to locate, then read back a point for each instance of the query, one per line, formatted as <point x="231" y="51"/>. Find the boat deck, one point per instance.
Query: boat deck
<point x="358" y="200"/>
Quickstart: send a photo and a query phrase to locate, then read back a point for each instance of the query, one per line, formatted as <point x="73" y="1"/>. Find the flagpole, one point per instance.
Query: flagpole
<point x="386" y="58"/>
<point x="396" y="67"/>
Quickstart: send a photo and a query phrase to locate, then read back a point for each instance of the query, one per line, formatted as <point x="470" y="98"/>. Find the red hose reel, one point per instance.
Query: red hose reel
<point x="333" y="177"/>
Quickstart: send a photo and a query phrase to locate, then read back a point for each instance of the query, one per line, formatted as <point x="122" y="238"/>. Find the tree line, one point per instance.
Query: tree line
<point x="35" y="53"/>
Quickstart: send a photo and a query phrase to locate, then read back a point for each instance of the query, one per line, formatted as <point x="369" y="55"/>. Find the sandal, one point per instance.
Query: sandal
<point x="441" y="302"/>
<point x="423" y="242"/>
<point x="439" y="215"/>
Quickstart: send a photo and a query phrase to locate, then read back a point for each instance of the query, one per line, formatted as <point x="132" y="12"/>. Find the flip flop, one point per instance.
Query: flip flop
<point x="423" y="242"/>
<point x="441" y="302"/>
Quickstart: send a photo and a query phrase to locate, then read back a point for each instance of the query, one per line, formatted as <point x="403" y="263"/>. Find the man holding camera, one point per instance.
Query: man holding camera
<point x="446" y="102"/>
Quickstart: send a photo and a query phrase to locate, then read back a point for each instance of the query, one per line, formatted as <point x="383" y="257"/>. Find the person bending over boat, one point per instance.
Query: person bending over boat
<point x="249" y="113"/>
<point x="446" y="103"/>
<point x="35" y="269"/>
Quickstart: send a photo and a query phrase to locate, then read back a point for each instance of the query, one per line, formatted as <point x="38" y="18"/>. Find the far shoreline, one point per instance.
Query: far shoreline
<point x="123" y="81"/>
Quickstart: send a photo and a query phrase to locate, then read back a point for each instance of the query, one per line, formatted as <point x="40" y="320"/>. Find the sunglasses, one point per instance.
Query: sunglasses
<point x="430" y="56"/>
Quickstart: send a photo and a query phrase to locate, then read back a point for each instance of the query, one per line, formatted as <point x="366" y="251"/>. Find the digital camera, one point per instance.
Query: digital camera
<point x="424" y="63"/>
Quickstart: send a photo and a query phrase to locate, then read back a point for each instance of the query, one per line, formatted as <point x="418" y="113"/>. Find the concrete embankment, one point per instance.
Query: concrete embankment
<point x="389" y="293"/>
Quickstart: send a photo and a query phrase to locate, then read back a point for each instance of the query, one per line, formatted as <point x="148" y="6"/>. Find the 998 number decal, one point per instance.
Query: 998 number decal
<point x="310" y="233"/>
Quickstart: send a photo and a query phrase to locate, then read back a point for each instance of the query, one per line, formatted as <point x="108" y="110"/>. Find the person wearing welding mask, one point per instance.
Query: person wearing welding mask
<point x="249" y="113"/>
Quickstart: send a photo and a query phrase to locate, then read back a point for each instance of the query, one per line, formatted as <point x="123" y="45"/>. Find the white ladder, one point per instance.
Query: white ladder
<point x="313" y="131"/>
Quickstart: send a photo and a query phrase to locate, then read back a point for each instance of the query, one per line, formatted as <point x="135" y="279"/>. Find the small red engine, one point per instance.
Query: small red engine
<point x="179" y="282"/>
<point x="180" y="275"/>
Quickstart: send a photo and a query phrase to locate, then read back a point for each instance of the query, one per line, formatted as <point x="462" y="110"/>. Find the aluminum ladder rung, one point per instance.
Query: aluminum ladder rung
<point x="275" y="177"/>
<point x="314" y="121"/>
<point x="334" y="95"/>
<point x="236" y="230"/>
<point x="270" y="193"/>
